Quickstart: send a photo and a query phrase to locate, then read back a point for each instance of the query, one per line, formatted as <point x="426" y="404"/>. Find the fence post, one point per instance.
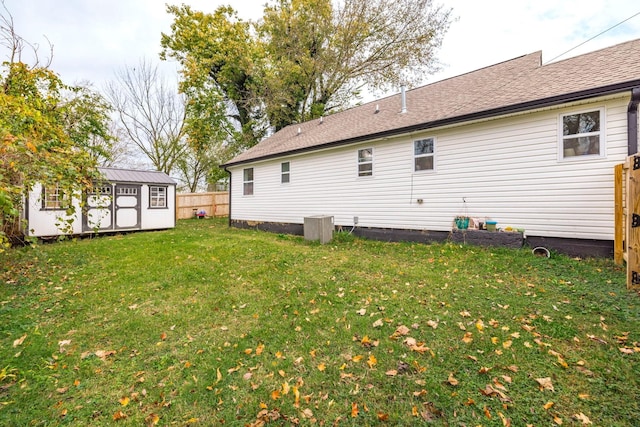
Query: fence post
<point x="633" y="222"/>
<point x="618" y="240"/>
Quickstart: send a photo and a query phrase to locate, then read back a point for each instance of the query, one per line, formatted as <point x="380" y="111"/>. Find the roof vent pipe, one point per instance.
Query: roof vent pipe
<point x="377" y="109"/>
<point x="299" y="131"/>
<point x="403" y="94"/>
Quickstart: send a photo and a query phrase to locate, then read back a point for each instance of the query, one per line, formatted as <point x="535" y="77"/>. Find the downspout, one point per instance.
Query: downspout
<point x="229" y="190"/>
<point x="632" y="121"/>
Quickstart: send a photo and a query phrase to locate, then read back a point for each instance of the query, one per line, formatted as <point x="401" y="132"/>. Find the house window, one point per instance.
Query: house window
<point x="285" y="170"/>
<point x="157" y="197"/>
<point x="248" y="181"/>
<point x="423" y="153"/>
<point x="365" y="162"/>
<point x="54" y="198"/>
<point x="581" y="134"/>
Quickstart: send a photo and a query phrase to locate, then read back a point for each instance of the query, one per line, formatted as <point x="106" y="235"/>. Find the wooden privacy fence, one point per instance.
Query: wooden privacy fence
<point x="627" y="218"/>
<point x="214" y="204"/>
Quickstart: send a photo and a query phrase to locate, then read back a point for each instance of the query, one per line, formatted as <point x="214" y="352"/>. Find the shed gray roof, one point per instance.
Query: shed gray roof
<point x="516" y="85"/>
<point x="137" y="176"/>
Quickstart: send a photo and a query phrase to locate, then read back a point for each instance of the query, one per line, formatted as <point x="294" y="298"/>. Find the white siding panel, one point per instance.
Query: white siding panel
<point x="505" y="169"/>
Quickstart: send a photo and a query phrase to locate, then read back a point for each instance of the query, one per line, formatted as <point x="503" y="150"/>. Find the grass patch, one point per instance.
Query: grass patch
<point x="204" y="324"/>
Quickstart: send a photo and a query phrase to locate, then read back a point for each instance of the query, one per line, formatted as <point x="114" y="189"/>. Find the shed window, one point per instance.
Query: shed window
<point x="581" y="134"/>
<point x="365" y="162"/>
<point x="53" y="198"/>
<point x="285" y="175"/>
<point x="248" y="181"/>
<point x="423" y="153"/>
<point x="157" y="197"/>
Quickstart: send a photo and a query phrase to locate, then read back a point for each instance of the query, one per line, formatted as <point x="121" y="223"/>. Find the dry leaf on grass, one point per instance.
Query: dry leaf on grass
<point x="545" y="384"/>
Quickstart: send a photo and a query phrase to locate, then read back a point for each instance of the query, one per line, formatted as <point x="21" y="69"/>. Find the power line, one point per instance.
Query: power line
<point x="587" y="41"/>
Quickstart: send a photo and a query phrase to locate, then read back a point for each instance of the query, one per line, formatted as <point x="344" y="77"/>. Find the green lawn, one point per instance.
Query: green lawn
<point x="206" y="325"/>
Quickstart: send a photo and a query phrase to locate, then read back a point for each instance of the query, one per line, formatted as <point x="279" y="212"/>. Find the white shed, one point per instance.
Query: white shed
<point x="531" y="146"/>
<point x="127" y="200"/>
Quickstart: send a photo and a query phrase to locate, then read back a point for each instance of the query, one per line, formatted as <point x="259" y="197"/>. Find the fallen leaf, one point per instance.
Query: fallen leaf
<point x="307" y="413"/>
<point x="465" y="313"/>
<point x="548" y="405"/>
<point x="557" y="420"/>
<point x="401" y="331"/>
<point x="119" y="416"/>
<point x="382" y="416"/>
<point x="486" y="412"/>
<point x="545" y="384"/>
<point x="430" y="412"/>
<point x="259" y="349"/>
<point x="582" y="418"/>
<point x="480" y="325"/>
<point x="362" y="311"/>
<point x="275" y="394"/>
<point x="451" y="380"/>
<point x="357" y="358"/>
<point x="354" y="410"/>
<point x="62" y="390"/>
<point x="506" y="422"/>
<point x="103" y="354"/>
<point x="19" y="341"/>
<point x="378" y="323"/>
<point x="489" y="391"/>
<point x="391" y="373"/>
<point x="321" y="367"/>
<point x="372" y="361"/>
<point x="62" y="344"/>
<point x="432" y="323"/>
<point x="468" y="338"/>
<point x="163" y="336"/>
<point x="124" y="401"/>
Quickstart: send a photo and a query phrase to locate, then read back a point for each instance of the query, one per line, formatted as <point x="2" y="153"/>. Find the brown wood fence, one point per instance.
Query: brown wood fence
<point x="214" y="204"/>
<point x="627" y="218"/>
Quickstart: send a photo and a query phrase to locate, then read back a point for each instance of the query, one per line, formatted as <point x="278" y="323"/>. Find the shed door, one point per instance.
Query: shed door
<point x="127" y="206"/>
<point x="98" y="215"/>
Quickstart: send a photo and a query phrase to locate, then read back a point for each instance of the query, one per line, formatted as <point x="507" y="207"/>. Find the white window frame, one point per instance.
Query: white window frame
<point x="562" y="153"/>
<point x="415" y="156"/>
<point x="285" y="176"/>
<point x="158" y="197"/>
<point x="247" y="184"/>
<point x="366" y="161"/>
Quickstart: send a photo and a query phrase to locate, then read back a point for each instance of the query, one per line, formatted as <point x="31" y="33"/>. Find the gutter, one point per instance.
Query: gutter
<point x="515" y="108"/>
<point x="230" y="176"/>
<point x="632" y="121"/>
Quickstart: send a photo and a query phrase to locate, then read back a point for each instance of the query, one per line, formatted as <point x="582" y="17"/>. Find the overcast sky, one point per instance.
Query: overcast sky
<point x="92" y="39"/>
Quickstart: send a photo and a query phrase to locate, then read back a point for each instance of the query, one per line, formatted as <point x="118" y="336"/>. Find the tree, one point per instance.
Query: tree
<point x="306" y="58"/>
<point x="45" y="132"/>
<point x="219" y="60"/>
<point x="150" y="113"/>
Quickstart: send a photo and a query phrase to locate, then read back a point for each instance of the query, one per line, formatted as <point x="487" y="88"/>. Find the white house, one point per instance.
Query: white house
<point x="127" y="200"/>
<point x="530" y="146"/>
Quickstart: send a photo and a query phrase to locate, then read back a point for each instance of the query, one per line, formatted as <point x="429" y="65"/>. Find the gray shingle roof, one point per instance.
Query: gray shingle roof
<point x="137" y="176"/>
<point x="515" y="85"/>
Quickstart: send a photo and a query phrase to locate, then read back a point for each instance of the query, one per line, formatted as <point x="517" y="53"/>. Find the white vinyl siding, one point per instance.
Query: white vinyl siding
<point x="506" y="169"/>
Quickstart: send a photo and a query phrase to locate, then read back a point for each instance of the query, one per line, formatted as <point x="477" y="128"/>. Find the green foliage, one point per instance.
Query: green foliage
<point x="206" y="325"/>
<point x="45" y="133"/>
<point x="304" y="59"/>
